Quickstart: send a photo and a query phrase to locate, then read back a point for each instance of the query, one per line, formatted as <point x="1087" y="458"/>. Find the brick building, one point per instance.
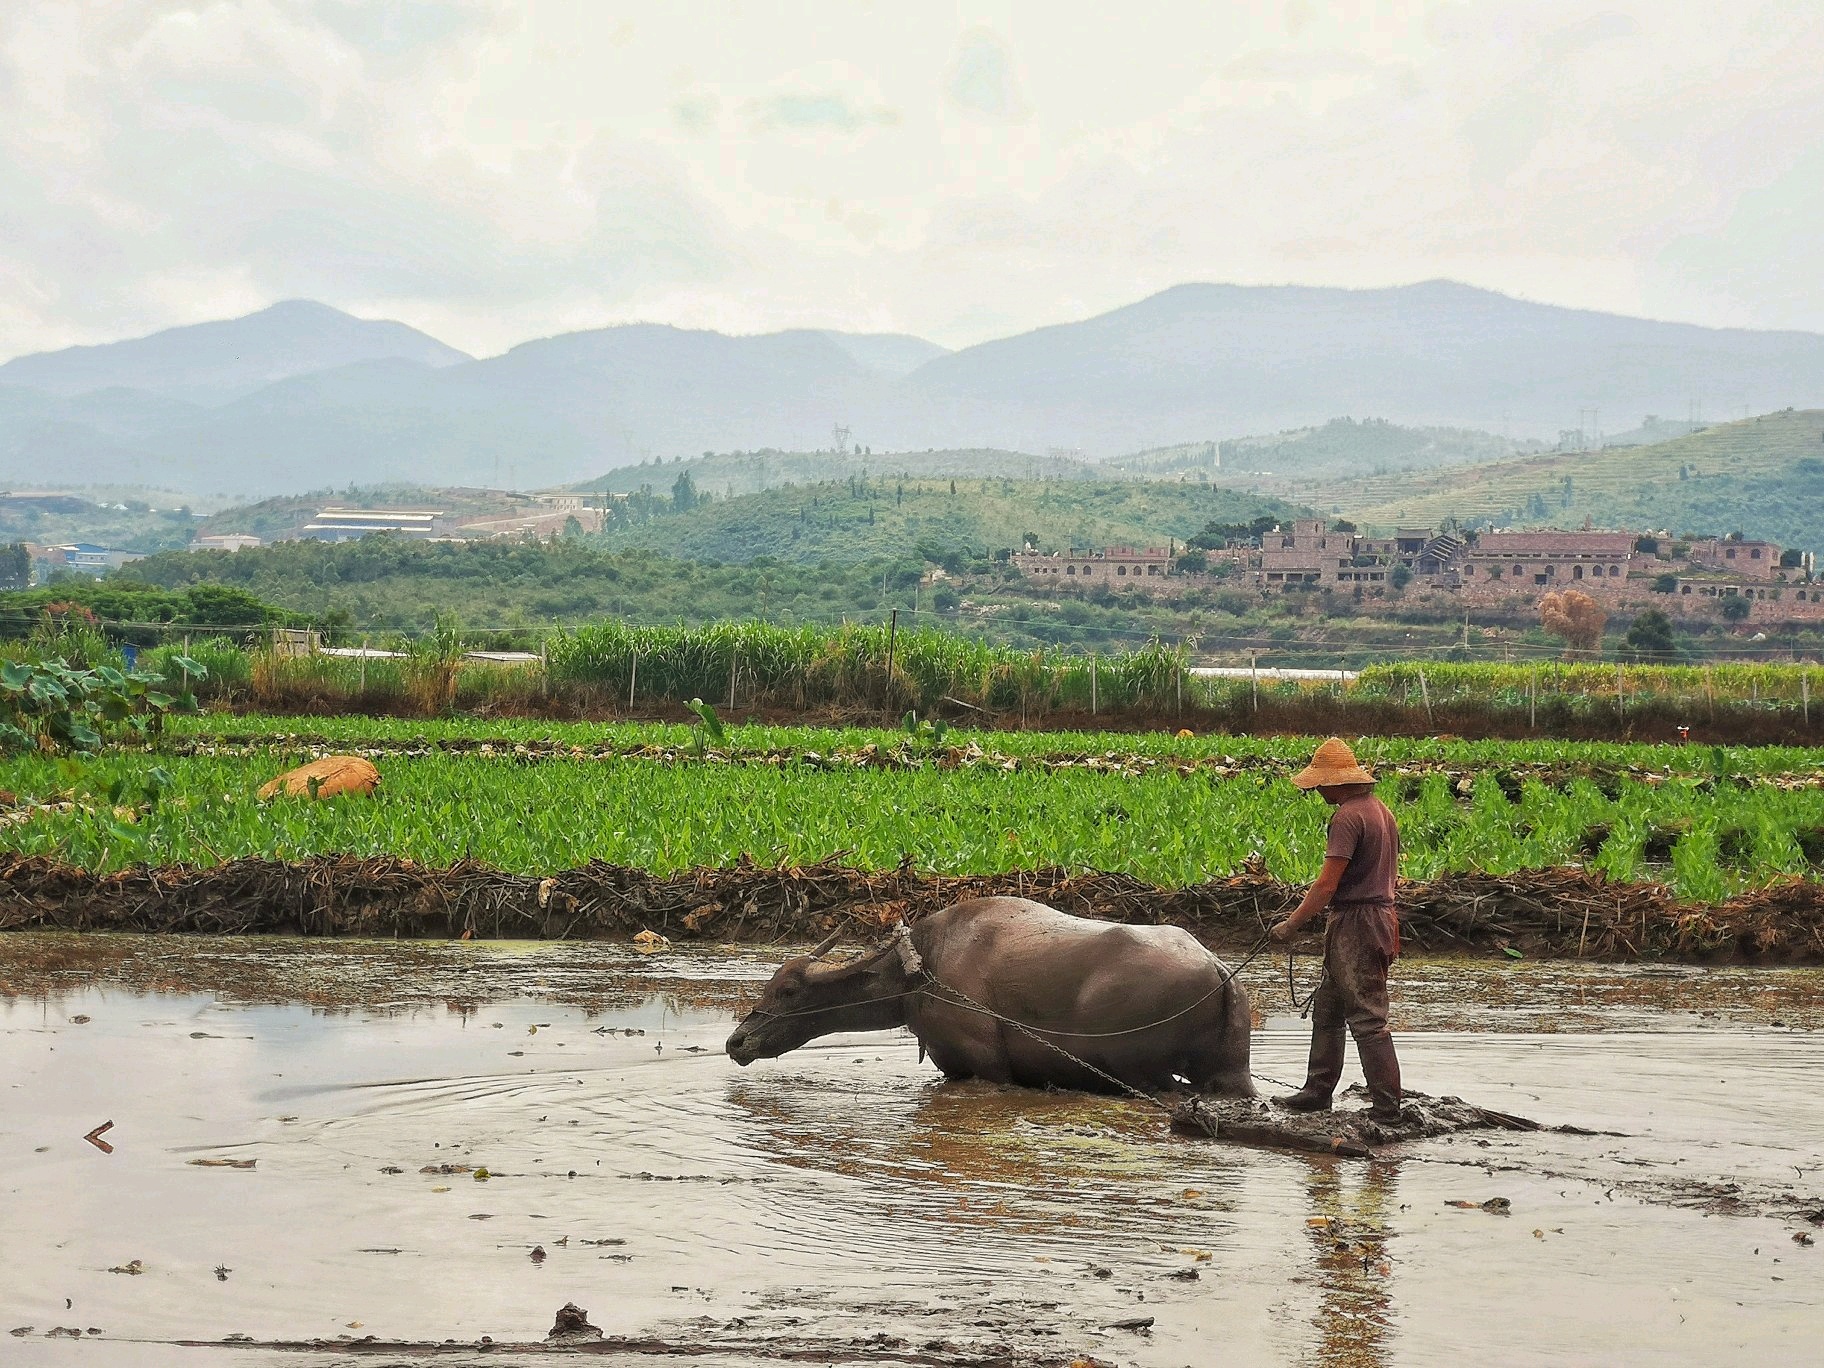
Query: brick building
<point x="1749" y="559"/>
<point x="1487" y="570"/>
<point x="1119" y="566"/>
<point x="1552" y="560"/>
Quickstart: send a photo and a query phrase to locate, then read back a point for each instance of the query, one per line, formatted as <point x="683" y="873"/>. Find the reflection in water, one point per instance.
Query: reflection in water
<point x="1349" y="1232"/>
<point x="947" y="1175"/>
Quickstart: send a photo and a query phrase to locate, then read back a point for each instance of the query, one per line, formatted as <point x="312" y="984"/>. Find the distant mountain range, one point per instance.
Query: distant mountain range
<point x="301" y="396"/>
<point x="212" y="363"/>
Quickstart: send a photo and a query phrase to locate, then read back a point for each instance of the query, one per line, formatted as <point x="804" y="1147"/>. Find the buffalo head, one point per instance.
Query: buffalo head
<point x="806" y="999"/>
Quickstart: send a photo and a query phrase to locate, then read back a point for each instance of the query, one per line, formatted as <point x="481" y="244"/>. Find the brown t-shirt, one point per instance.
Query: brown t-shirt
<point x="1363" y="832"/>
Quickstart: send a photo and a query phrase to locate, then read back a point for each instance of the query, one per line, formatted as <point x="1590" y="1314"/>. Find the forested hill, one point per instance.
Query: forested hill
<point x="869" y="519"/>
<point x="1763" y="477"/>
<point x="813" y="552"/>
<point x="724" y="473"/>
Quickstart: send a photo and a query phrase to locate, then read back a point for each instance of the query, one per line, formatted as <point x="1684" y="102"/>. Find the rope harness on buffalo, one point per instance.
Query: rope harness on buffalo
<point x="952" y="996"/>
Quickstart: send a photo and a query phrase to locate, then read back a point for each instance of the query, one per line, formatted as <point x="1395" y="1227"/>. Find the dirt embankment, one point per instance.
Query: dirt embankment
<point x="1561" y="913"/>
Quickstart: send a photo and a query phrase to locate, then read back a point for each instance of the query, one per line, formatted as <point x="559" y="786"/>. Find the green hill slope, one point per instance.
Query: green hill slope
<point x="728" y="473"/>
<point x="1344" y="447"/>
<point x="1761" y="476"/>
<point x="858" y="520"/>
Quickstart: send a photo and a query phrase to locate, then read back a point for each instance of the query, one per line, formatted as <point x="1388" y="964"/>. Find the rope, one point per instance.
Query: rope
<point x="1131" y="1030"/>
<point x="1292" y="989"/>
<point x="961" y="999"/>
<point x="956" y="997"/>
<point x="837" y="1006"/>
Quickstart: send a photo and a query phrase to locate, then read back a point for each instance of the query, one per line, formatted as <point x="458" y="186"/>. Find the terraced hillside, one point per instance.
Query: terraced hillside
<point x="1762" y="476"/>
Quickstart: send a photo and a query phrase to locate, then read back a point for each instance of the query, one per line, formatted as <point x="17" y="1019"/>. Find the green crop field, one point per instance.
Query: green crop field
<point x="791" y="796"/>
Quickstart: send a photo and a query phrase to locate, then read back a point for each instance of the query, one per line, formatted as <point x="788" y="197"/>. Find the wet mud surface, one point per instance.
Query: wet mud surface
<point x="843" y="1205"/>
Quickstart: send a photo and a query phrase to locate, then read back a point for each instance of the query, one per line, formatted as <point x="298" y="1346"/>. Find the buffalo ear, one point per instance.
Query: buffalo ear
<point x="827" y="944"/>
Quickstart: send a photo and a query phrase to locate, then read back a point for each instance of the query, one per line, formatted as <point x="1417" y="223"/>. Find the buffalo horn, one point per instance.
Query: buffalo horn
<point x="827" y="944"/>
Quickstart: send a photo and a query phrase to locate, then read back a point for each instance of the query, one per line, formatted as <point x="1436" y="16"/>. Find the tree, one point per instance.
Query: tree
<point x="683" y="493"/>
<point x="1736" y="608"/>
<point x="15" y="566"/>
<point x="1665" y="584"/>
<point x="1650" y="637"/>
<point x="1399" y="577"/>
<point x="1193" y="563"/>
<point x="573" y="526"/>
<point x="1216" y="535"/>
<point x="1574" y="617"/>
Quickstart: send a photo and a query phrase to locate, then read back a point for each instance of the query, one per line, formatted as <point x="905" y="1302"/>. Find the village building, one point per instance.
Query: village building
<point x="1118" y="566"/>
<point x="1749" y="559"/>
<point x="1314" y="553"/>
<point x="1485" y="569"/>
<point x="345" y="524"/>
<point x="84" y="558"/>
<point x="225" y="541"/>
<point x="1549" y="559"/>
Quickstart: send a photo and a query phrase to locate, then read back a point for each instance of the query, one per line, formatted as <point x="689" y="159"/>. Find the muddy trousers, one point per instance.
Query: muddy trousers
<point x="1360" y="944"/>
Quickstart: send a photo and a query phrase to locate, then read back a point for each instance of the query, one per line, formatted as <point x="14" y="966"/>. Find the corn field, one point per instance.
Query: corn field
<point x="612" y="669"/>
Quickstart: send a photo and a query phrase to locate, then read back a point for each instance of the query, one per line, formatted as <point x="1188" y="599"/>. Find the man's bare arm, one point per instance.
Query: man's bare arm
<point x="1316" y="898"/>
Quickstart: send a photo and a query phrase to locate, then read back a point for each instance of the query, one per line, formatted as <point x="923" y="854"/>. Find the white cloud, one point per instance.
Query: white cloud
<point x="494" y="170"/>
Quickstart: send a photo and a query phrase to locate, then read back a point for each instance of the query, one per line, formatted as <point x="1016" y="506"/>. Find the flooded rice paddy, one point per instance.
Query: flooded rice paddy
<point x="843" y="1205"/>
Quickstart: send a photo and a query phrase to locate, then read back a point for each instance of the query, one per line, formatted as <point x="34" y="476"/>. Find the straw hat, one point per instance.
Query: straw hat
<point x="1334" y="763"/>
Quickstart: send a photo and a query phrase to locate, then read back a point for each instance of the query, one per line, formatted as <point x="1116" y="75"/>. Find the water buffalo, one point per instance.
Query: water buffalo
<point x="1147" y="1004"/>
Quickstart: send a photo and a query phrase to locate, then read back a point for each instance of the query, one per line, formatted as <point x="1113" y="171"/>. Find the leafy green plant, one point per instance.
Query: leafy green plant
<point x="931" y="730"/>
<point x="48" y="705"/>
<point x="707" y="725"/>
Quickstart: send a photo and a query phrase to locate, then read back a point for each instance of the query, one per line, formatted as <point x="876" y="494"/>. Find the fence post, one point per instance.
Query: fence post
<point x="633" y="678"/>
<point x="1805" y="693"/>
<point x="734" y="665"/>
<point x="1254" y="677"/>
<point x="361" y="688"/>
<point x="1092" y="683"/>
<point x="1532" y="699"/>
<point x="892" y="641"/>
<point x="1178" y="689"/>
<point x="1425" y="696"/>
<point x="544" y="666"/>
<point x="1621" y="704"/>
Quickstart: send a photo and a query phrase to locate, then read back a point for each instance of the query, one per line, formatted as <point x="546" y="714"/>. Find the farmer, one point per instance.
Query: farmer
<point x="1361" y="934"/>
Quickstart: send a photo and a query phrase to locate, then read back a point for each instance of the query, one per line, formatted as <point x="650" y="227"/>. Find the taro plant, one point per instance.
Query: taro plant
<point x="47" y="705"/>
<point x="707" y="728"/>
<point x="929" y="730"/>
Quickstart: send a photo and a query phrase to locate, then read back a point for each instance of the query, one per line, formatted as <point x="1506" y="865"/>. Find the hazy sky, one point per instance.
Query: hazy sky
<point x="492" y="170"/>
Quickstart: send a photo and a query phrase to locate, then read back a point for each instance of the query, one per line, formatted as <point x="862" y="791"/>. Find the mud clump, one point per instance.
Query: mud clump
<point x="572" y="1326"/>
<point x="1351" y="1133"/>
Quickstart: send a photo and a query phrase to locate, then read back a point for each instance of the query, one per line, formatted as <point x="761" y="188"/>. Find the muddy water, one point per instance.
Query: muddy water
<point x="814" y="1203"/>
